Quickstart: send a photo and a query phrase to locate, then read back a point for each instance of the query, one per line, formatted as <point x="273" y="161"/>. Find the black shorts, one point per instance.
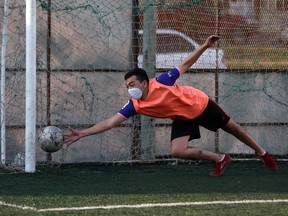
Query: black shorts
<point x="212" y="118"/>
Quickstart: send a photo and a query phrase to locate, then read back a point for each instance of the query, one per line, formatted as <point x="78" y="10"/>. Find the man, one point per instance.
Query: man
<point x="188" y="107"/>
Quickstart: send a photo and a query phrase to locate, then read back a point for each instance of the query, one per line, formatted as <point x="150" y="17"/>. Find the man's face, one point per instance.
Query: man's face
<point x="132" y="82"/>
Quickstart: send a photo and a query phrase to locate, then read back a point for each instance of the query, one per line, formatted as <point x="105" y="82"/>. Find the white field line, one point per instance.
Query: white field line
<point x="17" y="206"/>
<point x="145" y="205"/>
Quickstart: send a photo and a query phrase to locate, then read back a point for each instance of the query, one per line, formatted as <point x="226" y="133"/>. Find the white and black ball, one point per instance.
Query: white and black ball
<point x="51" y="139"/>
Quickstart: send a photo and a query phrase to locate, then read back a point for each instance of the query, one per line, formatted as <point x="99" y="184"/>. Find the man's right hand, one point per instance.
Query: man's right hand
<point x="72" y="137"/>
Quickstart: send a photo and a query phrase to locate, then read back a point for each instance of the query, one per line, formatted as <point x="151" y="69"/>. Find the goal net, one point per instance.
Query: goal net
<point x="84" y="48"/>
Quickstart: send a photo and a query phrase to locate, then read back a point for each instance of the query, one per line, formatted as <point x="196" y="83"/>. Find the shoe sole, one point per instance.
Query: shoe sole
<point x="224" y="168"/>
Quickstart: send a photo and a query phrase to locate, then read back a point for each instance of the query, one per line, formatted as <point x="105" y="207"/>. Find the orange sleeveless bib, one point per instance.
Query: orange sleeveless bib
<point x="174" y="102"/>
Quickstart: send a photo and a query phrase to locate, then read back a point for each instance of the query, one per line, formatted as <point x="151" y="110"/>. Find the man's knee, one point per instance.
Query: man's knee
<point x="176" y="151"/>
<point x="179" y="146"/>
<point x="184" y="152"/>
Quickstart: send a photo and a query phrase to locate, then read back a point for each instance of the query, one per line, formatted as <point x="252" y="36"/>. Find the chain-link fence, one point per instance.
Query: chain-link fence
<point x="85" y="47"/>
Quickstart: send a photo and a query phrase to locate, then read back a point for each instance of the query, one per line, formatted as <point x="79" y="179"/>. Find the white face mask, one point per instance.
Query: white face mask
<point x="135" y="93"/>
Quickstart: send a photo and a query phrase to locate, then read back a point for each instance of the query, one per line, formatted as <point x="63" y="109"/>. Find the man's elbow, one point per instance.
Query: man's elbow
<point x="113" y="122"/>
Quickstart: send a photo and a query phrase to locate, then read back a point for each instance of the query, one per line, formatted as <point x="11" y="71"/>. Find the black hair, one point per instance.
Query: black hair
<point x="140" y="74"/>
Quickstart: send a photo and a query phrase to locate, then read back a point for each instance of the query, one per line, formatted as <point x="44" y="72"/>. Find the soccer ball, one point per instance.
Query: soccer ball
<point x="51" y="139"/>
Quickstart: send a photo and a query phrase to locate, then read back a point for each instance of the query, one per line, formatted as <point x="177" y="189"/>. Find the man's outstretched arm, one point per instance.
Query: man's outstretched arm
<point x="102" y="126"/>
<point x="194" y="56"/>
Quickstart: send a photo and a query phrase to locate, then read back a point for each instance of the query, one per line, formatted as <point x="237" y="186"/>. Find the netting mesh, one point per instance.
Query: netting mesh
<point x="85" y="47"/>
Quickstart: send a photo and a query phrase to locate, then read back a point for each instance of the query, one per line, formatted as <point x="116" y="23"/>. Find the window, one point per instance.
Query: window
<point x="169" y="43"/>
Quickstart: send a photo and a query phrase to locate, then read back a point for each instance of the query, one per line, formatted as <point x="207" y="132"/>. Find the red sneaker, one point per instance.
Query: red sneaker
<point x="221" y="166"/>
<point x="268" y="161"/>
